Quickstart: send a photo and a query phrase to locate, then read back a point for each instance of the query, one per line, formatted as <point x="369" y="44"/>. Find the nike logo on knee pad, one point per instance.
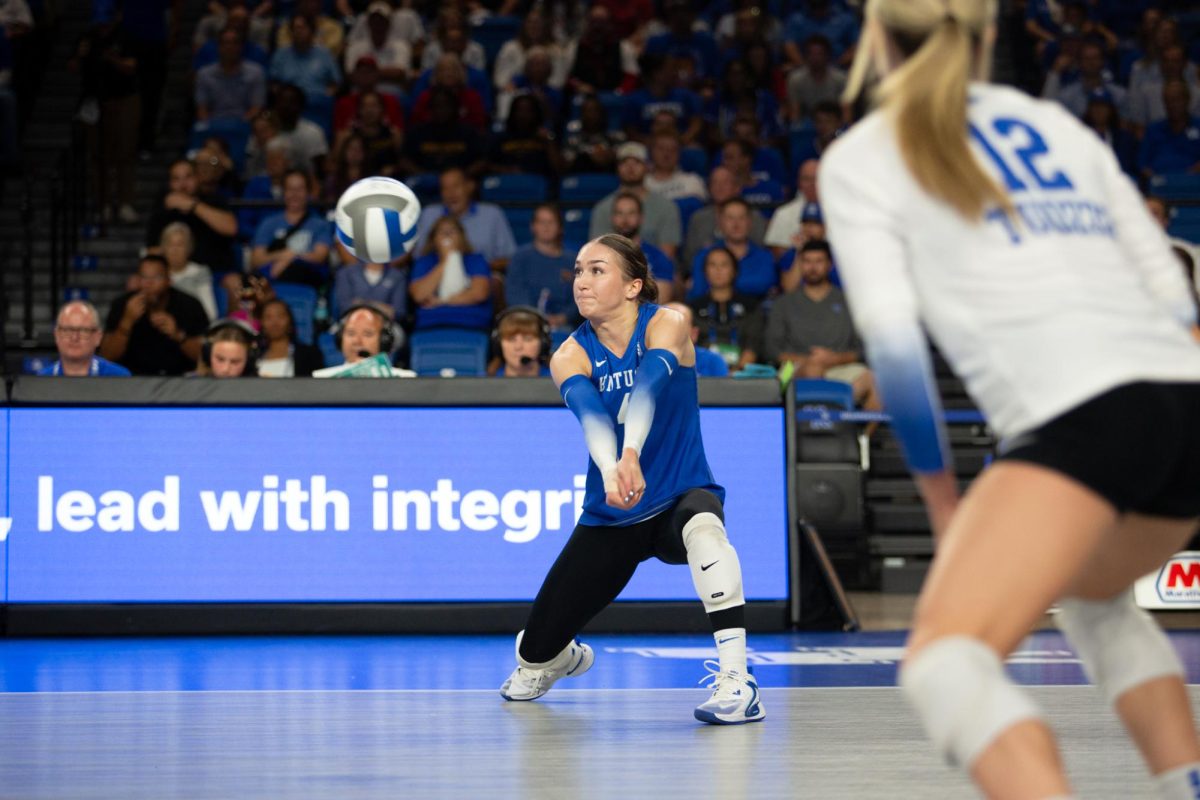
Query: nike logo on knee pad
<point x="704" y="567"/>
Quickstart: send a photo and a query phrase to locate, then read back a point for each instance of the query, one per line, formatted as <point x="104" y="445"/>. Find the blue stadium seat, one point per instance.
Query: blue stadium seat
<point x="426" y="186"/>
<point x="32" y="365"/>
<point x="1176" y="187"/>
<point x="577" y="224"/>
<point x="492" y="32"/>
<point x="333" y="356"/>
<point x="694" y="159"/>
<point x="518" y="220"/>
<point x="518" y="188"/>
<point x="817" y="391"/>
<point x="587" y="188"/>
<point x="302" y="300"/>
<point x="688" y="206"/>
<point x="235" y="132"/>
<point x="461" y="349"/>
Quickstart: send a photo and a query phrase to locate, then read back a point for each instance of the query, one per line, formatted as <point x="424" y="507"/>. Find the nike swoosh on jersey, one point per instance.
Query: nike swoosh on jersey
<point x="601" y="363"/>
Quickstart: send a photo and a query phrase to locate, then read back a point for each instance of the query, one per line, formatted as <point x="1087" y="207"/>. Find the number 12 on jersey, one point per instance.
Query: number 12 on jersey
<point x="1027" y="151"/>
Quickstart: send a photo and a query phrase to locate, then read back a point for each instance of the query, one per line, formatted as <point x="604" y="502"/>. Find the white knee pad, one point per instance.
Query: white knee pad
<point x="716" y="571"/>
<point x="1120" y="645"/>
<point x="958" y="687"/>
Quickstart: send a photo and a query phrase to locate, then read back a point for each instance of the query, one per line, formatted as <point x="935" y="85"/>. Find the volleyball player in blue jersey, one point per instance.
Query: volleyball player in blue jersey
<point x="628" y="373"/>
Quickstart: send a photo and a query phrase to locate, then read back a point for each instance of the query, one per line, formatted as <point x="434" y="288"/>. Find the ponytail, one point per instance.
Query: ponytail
<point x="927" y="94"/>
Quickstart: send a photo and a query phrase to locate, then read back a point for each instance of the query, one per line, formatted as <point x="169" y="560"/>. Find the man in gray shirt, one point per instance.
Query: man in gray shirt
<point x="702" y="226"/>
<point x="232" y="88"/>
<point x="810" y="327"/>
<point x="660" y="216"/>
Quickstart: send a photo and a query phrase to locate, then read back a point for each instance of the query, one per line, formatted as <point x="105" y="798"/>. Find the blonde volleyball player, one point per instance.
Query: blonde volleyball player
<point x="1006" y="229"/>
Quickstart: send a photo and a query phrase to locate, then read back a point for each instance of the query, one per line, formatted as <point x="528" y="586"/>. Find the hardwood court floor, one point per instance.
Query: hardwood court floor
<point x="419" y="717"/>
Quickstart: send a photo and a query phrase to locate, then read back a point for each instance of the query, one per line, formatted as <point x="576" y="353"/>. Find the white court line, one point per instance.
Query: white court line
<point x="771" y="689"/>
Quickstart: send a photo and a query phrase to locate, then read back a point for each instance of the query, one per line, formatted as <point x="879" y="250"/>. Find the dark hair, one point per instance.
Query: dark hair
<point x="625" y="195"/>
<point x="633" y="264"/>
<point x="736" y="201"/>
<point x="746" y="148"/>
<point x="291" y="331"/>
<point x="817" y="245"/>
<point x="431" y="240"/>
<point x="155" y="258"/>
<point x="718" y="248"/>
<point x="828" y="107"/>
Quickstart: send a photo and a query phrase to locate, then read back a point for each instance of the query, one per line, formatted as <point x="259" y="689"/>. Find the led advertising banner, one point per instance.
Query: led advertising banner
<point x="446" y="504"/>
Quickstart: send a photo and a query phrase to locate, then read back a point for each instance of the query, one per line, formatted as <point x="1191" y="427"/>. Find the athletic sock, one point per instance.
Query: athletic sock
<point x="1181" y="783"/>
<point x="731" y="649"/>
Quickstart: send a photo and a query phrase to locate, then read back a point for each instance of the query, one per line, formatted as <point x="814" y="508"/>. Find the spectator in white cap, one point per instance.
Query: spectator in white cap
<point x="660" y="216"/>
<point x="811" y="229"/>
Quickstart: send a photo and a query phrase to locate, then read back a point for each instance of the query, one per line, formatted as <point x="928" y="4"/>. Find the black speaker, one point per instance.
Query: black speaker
<point x="830" y="495"/>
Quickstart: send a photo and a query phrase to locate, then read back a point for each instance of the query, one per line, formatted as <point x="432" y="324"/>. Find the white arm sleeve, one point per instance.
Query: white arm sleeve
<point x="868" y="242"/>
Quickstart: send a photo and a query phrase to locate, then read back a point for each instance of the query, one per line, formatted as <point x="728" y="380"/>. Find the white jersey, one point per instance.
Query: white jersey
<point x="1082" y="296"/>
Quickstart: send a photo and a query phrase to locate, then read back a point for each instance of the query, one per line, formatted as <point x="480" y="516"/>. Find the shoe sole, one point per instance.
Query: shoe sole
<point x="586" y="659"/>
<point x="716" y="719"/>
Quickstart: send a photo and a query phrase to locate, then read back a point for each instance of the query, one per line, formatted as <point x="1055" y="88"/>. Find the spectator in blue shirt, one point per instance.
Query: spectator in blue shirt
<point x="541" y="273"/>
<point x="1172" y="145"/>
<point x="238" y="19"/>
<point x="756" y="272"/>
<point x="658" y="93"/>
<point x="307" y="65"/>
<point x="293" y="245"/>
<point x="738" y="156"/>
<point x="739" y="96"/>
<point x="450" y="284"/>
<point x="683" y="39"/>
<point x="77" y="334"/>
<point x="627" y="221"/>
<point x="361" y="282"/>
<point x="824" y="18"/>
<point x="232" y="88"/>
<point x="485" y="225"/>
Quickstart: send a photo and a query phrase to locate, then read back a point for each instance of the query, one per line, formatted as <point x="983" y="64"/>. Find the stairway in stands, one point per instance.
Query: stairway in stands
<point x="108" y="258"/>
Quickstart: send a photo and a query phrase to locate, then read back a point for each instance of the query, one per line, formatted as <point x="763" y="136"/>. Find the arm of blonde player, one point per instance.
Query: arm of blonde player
<point x="571" y="371"/>
<point x="668" y="347"/>
<point x="867" y="238"/>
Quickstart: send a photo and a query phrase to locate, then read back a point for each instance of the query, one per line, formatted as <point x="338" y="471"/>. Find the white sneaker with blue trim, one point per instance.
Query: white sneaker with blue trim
<point x="735" y="699"/>
<point x="531" y="681"/>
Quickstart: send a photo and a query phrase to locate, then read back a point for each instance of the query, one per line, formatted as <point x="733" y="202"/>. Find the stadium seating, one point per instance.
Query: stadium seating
<point x="492" y="32"/>
<point x="587" y="188"/>
<point x="302" y="300"/>
<point x="518" y="188"/>
<point x="694" y="159"/>
<point x="1181" y="186"/>
<point x="577" y="225"/>
<point x="460" y="349"/>
<point x="235" y="133"/>
<point x="518" y="220"/>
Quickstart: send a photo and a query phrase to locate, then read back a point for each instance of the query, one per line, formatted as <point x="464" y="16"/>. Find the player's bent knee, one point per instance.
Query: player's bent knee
<point x="958" y="687"/>
<point x="716" y="572"/>
<point x="1120" y="645"/>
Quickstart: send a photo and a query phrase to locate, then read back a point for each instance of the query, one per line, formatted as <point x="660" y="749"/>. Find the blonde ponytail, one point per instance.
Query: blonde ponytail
<point x="927" y="94"/>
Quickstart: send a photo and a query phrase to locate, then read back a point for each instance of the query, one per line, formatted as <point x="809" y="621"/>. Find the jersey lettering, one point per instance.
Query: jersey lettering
<point x="621" y="379"/>
<point x="1029" y="147"/>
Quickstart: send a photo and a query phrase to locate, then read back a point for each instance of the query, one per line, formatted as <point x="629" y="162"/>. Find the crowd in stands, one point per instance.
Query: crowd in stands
<point x="529" y="126"/>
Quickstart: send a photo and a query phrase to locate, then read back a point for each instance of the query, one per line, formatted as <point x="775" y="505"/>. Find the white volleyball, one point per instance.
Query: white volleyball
<point x="376" y="219"/>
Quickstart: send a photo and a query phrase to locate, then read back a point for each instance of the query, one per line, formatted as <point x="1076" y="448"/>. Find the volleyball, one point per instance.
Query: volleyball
<point x="376" y="219"/>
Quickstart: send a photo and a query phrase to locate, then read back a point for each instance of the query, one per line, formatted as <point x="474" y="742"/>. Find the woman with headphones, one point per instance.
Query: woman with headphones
<point x="230" y="350"/>
<point x="283" y="356"/>
<point x="520" y="344"/>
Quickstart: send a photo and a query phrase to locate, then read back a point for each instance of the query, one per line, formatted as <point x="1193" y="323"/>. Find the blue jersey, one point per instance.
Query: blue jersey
<point x="672" y="460"/>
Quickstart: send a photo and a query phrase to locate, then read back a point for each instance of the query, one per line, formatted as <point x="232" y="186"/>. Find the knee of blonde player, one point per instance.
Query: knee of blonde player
<point x="1040" y="775"/>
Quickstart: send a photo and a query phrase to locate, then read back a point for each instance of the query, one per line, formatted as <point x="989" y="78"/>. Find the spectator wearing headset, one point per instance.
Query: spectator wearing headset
<point x="521" y="344"/>
<point x="364" y="331"/>
<point x="230" y="350"/>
